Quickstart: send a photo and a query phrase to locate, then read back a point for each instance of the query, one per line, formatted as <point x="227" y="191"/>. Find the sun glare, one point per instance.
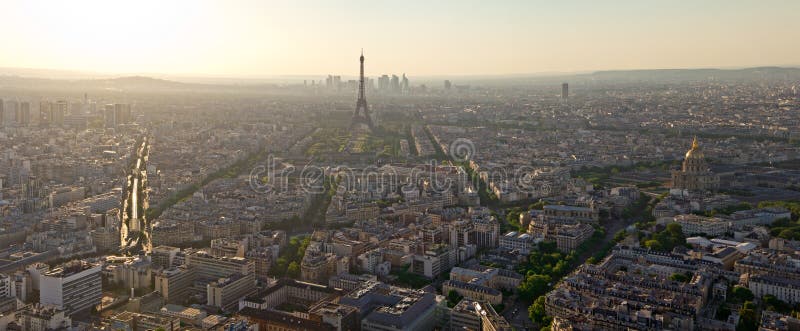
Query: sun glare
<point x="110" y="35"/>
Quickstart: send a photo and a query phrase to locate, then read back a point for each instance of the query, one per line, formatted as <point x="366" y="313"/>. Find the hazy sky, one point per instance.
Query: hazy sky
<point x="262" y="38"/>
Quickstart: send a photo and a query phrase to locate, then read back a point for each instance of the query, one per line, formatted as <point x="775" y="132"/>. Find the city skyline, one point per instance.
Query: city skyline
<point x="399" y="166"/>
<point x="253" y="39"/>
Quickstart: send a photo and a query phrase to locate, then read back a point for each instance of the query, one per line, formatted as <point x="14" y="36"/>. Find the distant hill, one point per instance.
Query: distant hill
<point x="121" y="83"/>
<point x="136" y="82"/>
<point x="51" y="73"/>
<point x="779" y="73"/>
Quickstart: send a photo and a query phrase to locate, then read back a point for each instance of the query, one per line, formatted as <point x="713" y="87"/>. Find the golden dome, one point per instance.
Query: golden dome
<point x="695" y="152"/>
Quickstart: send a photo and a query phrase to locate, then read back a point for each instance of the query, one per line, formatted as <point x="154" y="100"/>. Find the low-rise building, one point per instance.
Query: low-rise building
<point x="42" y="318"/>
<point x="522" y="243"/>
<point x="473" y="291"/>
<point x="787" y="290"/>
<point x="695" y="225"/>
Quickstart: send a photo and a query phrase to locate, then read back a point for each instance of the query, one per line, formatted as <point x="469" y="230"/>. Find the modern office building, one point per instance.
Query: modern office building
<point x="226" y="292"/>
<point x="389" y="308"/>
<point x="207" y="266"/>
<point x="464" y="316"/>
<point x="174" y="283"/>
<point x="73" y="287"/>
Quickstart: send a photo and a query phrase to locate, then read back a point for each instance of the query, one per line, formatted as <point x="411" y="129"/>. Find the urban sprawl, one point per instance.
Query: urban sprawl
<point x="604" y="203"/>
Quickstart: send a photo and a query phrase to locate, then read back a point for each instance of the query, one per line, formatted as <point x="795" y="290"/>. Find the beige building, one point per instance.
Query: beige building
<point x="172" y="233"/>
<point x="42" y="318"/>
<point x="694" y="224"/>
<point x="174" y="283"/>
<point x="569" y="237"/>
<point x="143" y="322"/>
<point x="572" y="214"/>
<point x="262" y="258"/>
<point x="106" y="238"/>
<point x="491" y="320"/>
<point x="226" y="292"/>
<point x="473" y="291"/>
<point x="317" y="266"/>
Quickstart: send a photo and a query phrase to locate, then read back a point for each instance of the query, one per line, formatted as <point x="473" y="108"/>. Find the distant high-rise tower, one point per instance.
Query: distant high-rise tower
<point x="564" y="91"/>
<point x="361" y="115"/>
<point x="110" y="116"/>
<point x="11" y="112"/>
<point x="395" y="84"/>
<point x="45" y="113"/>
<point x="23" y="117"/>
<point x="447" y="84"/>
<point x="383" y="83"/>
<point x="60" y="109"/>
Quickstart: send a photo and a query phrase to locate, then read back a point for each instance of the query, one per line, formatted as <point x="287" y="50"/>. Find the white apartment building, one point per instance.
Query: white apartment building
<point x="73" y="287"/>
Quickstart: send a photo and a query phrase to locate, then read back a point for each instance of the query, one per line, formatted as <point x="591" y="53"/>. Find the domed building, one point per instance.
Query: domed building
<point x="695" y="175"/>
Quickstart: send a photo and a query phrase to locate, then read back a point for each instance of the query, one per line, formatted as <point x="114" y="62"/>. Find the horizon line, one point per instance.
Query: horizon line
<point x="92" y="75"/>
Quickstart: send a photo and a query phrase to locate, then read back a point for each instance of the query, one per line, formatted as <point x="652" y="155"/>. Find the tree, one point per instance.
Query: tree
<point x="654" y="245"/>
<point x="749" y="318"/>
<point x="280" y="267"/>
<point x="534" y="286"/>
<point x="620" y="235"/>
<point x="537" y="312"/>
<point x="679" y="277"/>
<point x="723" y="312"/>
<point x="293" y="271"/>
<point x="539" y="205"/>
<point x="499" y="307"/>
<point x="775" y="304"/>
<point x="742" y="294"/>
<point x="453" y="298"/>
<point x="787" y="234"/>
<point x="667" y="239"/>
<point x="675" y="229"/>
<point x="301" y="250"/>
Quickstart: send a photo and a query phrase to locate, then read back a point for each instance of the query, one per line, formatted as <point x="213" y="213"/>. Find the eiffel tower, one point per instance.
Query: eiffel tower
<point x="361" y="115"/>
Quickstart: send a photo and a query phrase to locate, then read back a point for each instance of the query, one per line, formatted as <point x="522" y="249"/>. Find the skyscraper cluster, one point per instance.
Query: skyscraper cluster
<point x="15" y="113"/>
<point x="387" y="84"/>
